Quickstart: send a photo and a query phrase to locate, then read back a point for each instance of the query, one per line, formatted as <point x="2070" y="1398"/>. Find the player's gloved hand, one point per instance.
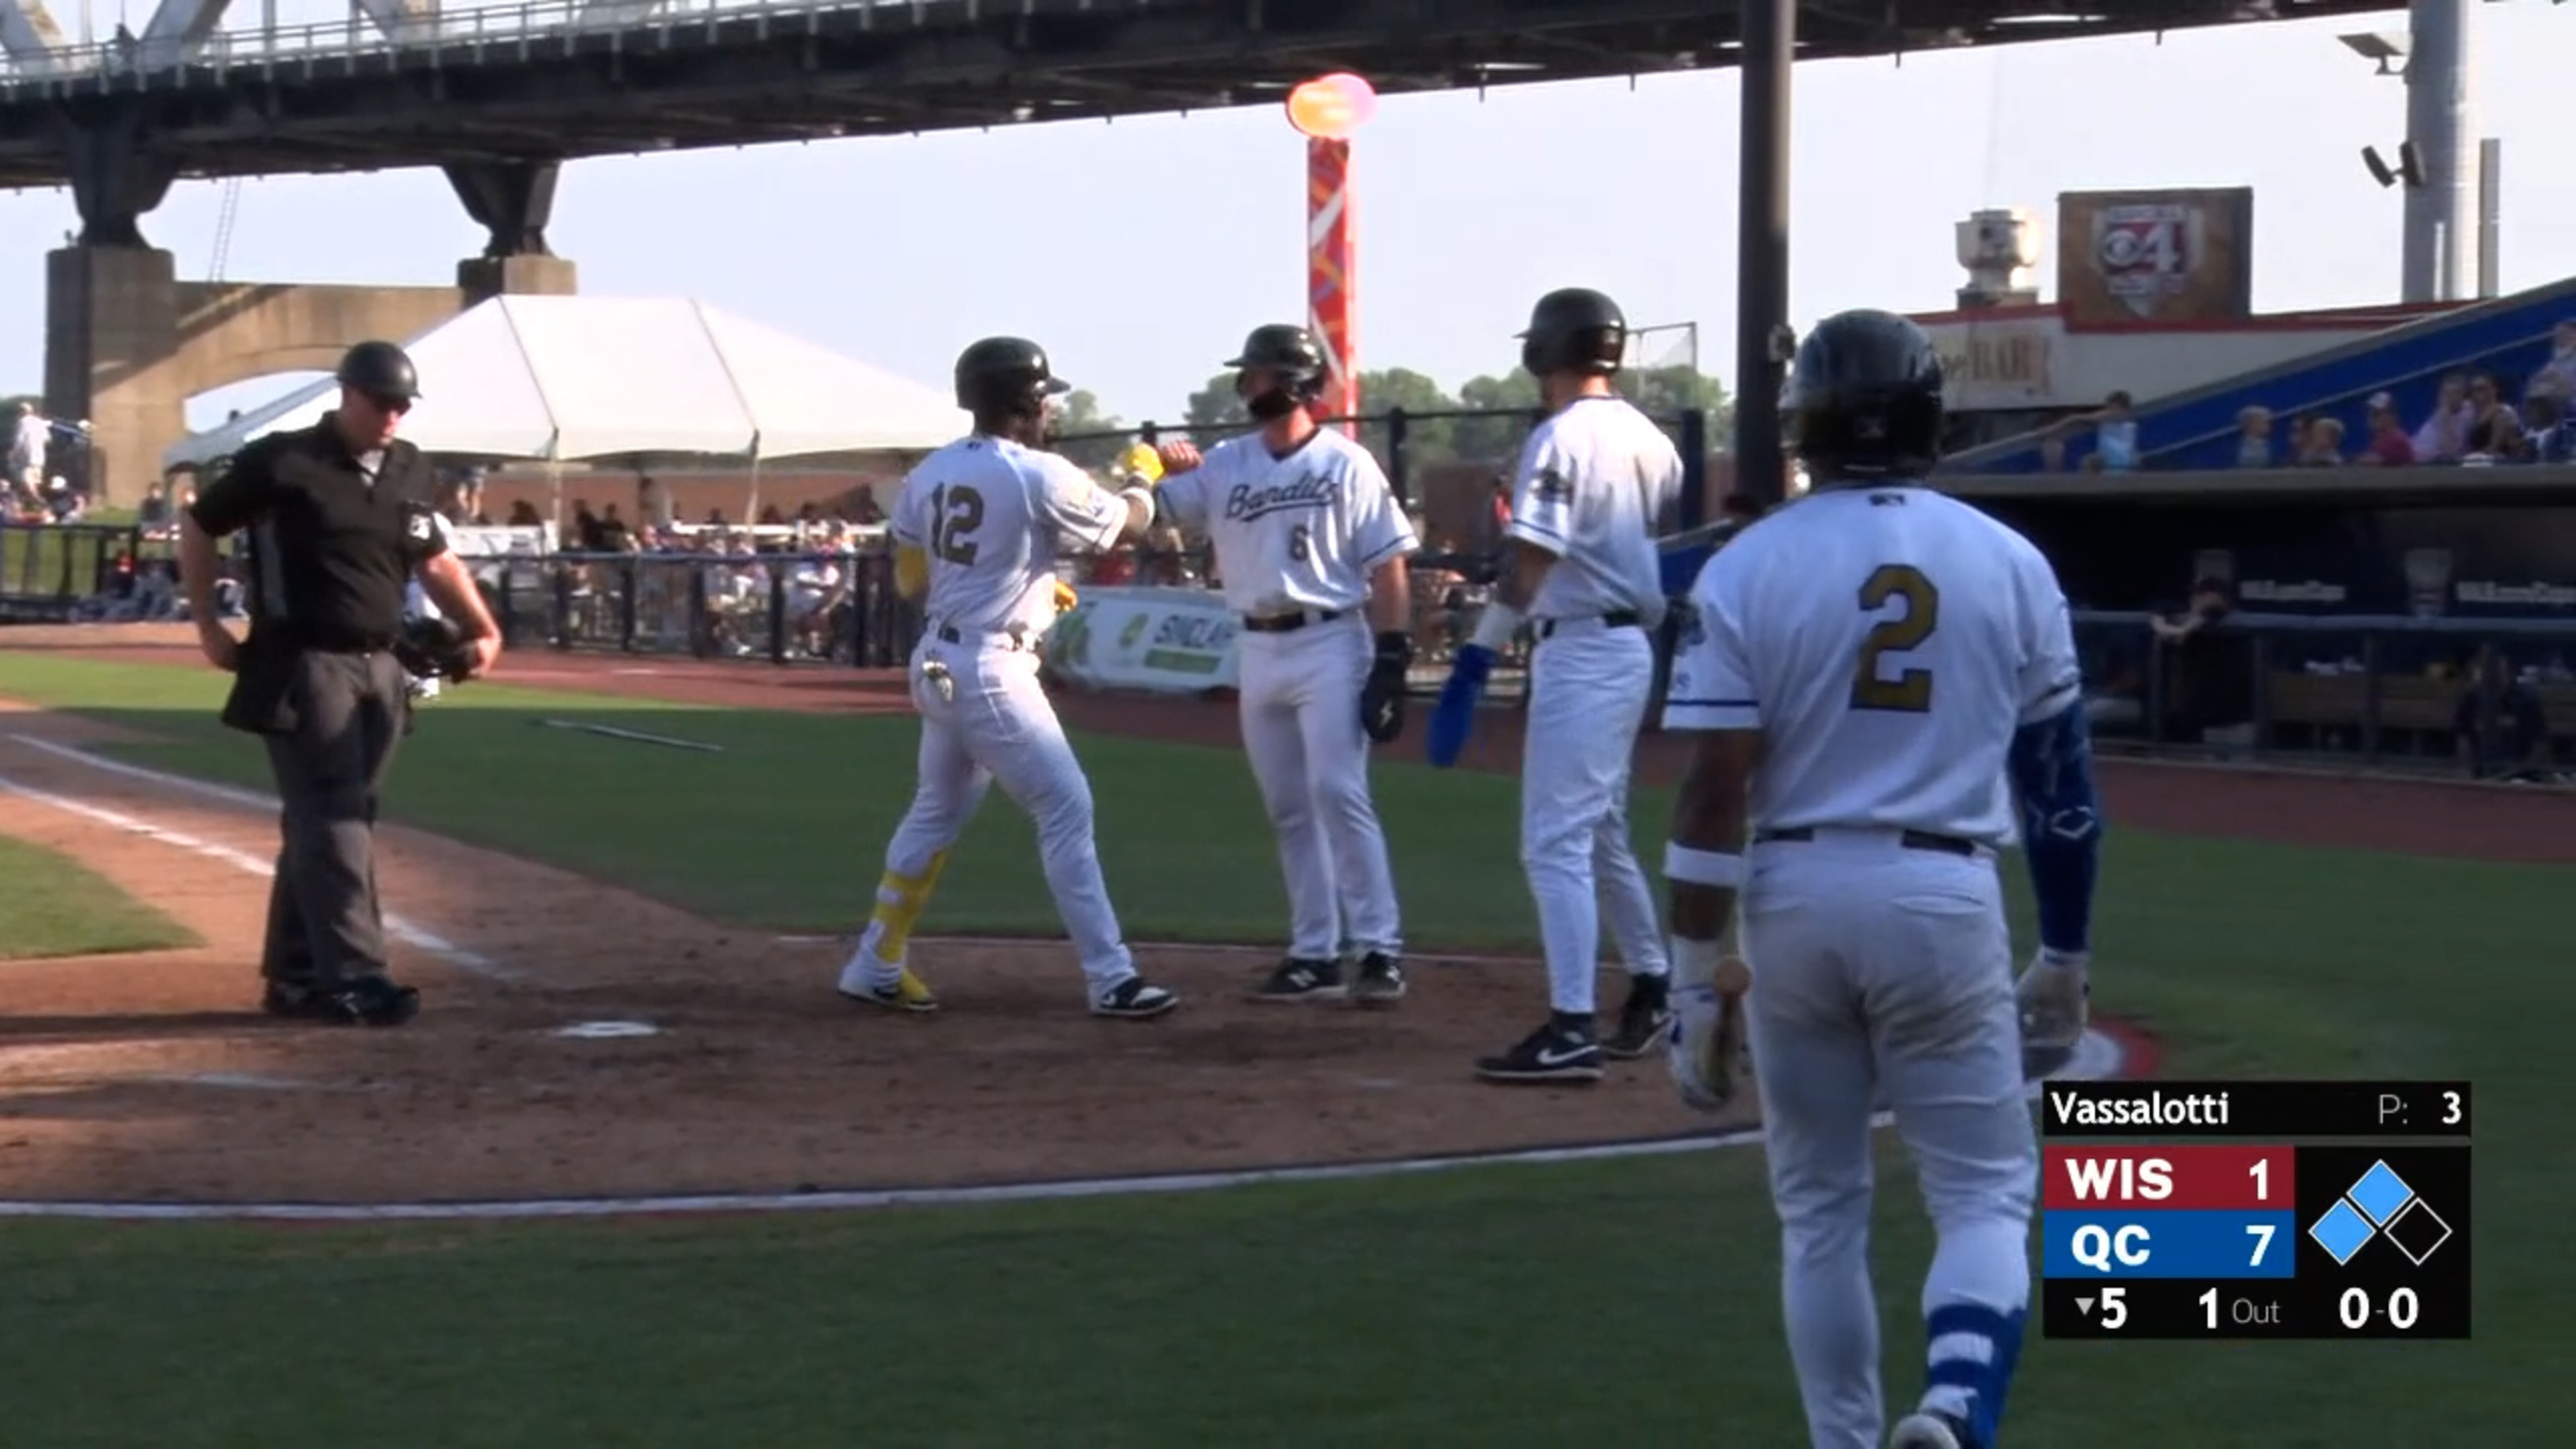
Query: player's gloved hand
<point x="1382" y="698"/>
<point x="1704" y="1046"/>
<point x="2054" y="996"/>
<point x="1455" y="716"/>
<point x="1065" y="597"/>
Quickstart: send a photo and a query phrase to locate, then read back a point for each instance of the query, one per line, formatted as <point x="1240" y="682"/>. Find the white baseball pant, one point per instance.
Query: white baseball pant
<point x="1884" y="972"/>
<point x="1299" y="698"/>
<point x="1588" y="689"/>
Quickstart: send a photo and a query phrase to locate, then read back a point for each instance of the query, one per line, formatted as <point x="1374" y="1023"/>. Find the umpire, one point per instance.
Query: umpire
<point x="336" y="518"/>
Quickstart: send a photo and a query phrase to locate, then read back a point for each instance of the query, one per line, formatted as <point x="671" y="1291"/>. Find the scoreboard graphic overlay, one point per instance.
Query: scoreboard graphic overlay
<point x="2255" y="1209"/>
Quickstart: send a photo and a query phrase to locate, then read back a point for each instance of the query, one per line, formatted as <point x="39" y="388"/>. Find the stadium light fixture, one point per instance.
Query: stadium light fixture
<point x="2381" y="47"/>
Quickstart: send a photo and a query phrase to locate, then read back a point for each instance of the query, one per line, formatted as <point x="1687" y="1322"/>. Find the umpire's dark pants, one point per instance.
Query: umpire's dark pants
<point x="325" y="927"/>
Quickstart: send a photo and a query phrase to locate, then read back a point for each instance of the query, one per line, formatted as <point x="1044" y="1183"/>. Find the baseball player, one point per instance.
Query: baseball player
<point x="977" y="529"/>
<point x="1594" y="479"/>
<point x="1874" y="672"/>
<point x="417" y="604"/>
<point x="1312" y="548"/>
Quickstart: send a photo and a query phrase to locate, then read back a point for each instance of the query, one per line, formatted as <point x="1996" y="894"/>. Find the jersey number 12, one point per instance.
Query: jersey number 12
<point x="955" y="514"/>
<point x="1907" y="691"/>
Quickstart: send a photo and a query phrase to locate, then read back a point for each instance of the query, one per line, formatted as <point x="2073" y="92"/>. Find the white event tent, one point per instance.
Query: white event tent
<point x="561" y="379"/>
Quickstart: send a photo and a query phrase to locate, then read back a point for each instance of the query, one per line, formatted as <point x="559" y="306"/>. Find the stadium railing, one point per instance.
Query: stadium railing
<point x="49" y="570"/>
<point x="2378" y="692"/>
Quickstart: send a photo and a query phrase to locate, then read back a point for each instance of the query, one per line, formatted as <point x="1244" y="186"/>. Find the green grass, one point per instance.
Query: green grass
<point x="51" y="905"/>
<point x="1636" y="1301"/>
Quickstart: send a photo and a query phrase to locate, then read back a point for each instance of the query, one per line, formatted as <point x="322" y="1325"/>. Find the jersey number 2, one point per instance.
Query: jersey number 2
<point x="955" y="514"/>
<point x="1909" y="691"/>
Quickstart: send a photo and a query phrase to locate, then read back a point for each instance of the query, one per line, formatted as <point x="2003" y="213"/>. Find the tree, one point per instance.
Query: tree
<point x="1214" y="408"/>
<point x="1092" y="438"/>
<point x="1669" y="391"/>
<point x="1512" y="398"/>
<point x="1426" y="436"/>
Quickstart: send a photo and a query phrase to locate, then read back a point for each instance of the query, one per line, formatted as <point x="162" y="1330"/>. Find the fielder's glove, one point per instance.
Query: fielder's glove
<point x="1382" y="698"/>
<point x="434" y="649"/>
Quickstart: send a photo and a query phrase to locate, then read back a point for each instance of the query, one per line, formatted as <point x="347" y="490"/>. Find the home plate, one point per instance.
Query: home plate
<point x="607" y="1030"/>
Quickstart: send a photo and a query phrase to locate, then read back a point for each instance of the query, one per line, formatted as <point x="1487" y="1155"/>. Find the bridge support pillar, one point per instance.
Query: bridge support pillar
<point x="113" y="183"/>
<point x="512" y="200"/>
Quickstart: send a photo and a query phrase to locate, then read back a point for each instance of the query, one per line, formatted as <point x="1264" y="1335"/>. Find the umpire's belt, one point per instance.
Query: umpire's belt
<point x="311" y="642"/>
<point x="1615" y="619"/>
<point x="1015" y="637"/>
<point x="1910" y="839"/>
<point x="1283" y="623"/>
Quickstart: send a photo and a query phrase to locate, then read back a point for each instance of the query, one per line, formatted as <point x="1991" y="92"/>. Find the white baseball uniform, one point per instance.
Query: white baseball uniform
<point x="1886" y="642"/>
<point x="1296" y="541"/>
<point x="1594" y="480"/>
<point x="991" y="517"/>
<point x="417" y="604"/>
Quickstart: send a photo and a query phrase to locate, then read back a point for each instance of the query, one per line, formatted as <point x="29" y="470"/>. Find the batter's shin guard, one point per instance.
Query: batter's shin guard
<point x="900" y="902"/>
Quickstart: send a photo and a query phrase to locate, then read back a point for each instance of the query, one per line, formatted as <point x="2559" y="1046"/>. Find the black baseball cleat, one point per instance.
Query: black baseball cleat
<point x="1379" y="981"/>
<point x="366" y="1001"/>
<point x="1298" y="979"/>
<point x="1930" y="1429"/>
<point x="1642" y="1019"/>
<point x="1560" y="1051"/>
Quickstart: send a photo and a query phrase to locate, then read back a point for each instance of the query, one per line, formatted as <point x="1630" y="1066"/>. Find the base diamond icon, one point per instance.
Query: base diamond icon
<point x="2341" y="1232"/>
<point x="2381" y="1194"/>
<point x="2417" y="1231"/>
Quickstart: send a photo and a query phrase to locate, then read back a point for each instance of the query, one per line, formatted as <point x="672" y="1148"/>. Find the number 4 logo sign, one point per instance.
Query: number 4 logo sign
<point x="2146" y="252"/>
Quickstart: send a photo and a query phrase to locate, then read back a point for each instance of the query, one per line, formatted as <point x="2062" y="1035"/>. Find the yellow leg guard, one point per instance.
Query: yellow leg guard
<point x="900" y="902"/>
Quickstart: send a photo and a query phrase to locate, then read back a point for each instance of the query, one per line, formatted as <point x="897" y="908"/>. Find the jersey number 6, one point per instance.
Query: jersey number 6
<point x="1910" y="691"/>
<point x="955" y="514"/>
<point x="1300" y="542"/>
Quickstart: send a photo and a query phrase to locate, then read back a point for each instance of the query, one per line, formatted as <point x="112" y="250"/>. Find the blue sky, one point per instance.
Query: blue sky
<point x="1141" y="251"/>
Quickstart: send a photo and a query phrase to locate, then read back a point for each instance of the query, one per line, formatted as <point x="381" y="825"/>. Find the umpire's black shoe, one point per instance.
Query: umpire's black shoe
<point x="1649" y="1009"/>
<point x="1302" y="980"/>
<point x="1561" y="1051"/>
<point x="366" y="1001"/>
<point x="1379" y="981"/>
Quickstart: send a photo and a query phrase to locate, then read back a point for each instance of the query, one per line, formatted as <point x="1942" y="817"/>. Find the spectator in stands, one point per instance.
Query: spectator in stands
<point x="2499" y="726"/>
<point x="2324" y="445"/>
<point x="26" y="480"/>
<point x="2389" y="446"/>
<point x="2254" y="438"/>
<point x="152" y="514"/>
<point x="2115" y="435"/>
<point x="863" y="509"/>
<point x="523" y="514"/>
<point x="2556" y="379"/>
<point x="2445" y="435"/>
<point x="653" y="506"/>
<point x="583" y="536"/>
<point x="2495" y="428"/>
<point x="2553" y="437"/>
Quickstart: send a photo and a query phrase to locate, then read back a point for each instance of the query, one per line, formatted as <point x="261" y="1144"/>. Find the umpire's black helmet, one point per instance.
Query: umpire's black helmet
<point x="1290" y="351"/>
<point x="1574" y="329"/>
<point x="1006" y="376"/>
<point x="379" y="369"/>
<point x="1863" y="397"/>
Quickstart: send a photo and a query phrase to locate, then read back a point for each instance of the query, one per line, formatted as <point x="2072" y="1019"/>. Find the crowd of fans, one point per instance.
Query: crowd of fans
<point x="2477" y="419"/>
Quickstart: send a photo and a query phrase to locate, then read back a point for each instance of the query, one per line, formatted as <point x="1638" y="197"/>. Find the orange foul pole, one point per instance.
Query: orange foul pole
<point x="1326" y="110"/>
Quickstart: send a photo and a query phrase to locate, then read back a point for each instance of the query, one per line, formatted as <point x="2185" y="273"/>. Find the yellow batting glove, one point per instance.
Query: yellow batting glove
<point x="1064" y="597"/>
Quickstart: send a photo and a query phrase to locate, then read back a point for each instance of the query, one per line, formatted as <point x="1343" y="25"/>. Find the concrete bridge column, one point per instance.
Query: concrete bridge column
<point x="513" y="200"/>
<point x="127" y="343"/>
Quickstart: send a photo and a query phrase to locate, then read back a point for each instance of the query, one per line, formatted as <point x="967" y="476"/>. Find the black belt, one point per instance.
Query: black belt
<point x="1015" y="637"/>
<point x="1284" y="623"/>
<point x="1615" y="619"/>
<point x="1910" y="839"/>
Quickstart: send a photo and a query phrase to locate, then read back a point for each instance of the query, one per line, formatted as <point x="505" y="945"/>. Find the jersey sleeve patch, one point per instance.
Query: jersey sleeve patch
<point x="1711" y="686"/>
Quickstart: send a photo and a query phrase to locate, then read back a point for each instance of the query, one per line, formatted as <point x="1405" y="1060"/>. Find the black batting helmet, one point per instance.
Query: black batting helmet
<point x="1008" y="376"/>
<point x="1863" y="397"/>
<point x="379" y="369"/>
<point x="1574" y="329"/>
<point x="1290" y="351"/>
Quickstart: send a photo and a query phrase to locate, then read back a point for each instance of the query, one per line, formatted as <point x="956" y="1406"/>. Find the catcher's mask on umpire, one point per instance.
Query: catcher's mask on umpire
<point x="1280" y="370"/>
<point x="1007" y="379"/>
<point x="1574" y="329"/>
<point x="1863" y="398"/>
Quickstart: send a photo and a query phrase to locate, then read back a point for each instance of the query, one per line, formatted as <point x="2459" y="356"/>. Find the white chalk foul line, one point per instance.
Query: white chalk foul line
<point x="2097" y="1056"/>
<point x="395" y="926"/>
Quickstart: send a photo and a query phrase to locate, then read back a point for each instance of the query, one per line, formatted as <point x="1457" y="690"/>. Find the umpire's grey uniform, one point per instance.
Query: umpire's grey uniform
<point x="331" y="538"/>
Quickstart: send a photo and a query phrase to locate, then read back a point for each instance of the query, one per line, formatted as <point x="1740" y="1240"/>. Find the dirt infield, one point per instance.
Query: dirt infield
<point x="147" y="1078"/>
